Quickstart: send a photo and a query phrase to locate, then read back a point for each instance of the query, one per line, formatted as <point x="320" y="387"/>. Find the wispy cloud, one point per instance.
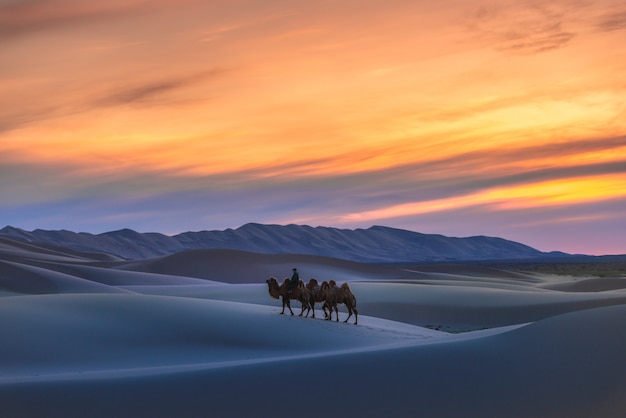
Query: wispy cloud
<point x="19" y="113"/>
<point x="612" y="21"/>
<point x="541" y="194"/>
<point x="11" y="118"/>
<point x="23" y="17"/>
<point x="526" y="28"/>
<point x="482" y="168"/>
<point x="18" y="18"/>
<point x="144" y="93"/>
<point x="544" y="39"/>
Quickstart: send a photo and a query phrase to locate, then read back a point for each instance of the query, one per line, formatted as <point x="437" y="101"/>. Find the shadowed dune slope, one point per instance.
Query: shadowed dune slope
<point x="234" y="266"/>
<point x="546" y="369"/>
<point x="20" y="278"/>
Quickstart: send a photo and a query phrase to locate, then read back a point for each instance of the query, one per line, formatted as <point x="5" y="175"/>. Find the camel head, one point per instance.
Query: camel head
<point x="273" y="287"/>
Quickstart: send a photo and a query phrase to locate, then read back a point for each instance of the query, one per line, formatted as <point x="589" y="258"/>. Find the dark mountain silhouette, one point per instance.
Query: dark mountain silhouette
<point x="377" y="244"/>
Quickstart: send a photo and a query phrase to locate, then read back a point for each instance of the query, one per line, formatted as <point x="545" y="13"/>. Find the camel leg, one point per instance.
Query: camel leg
<point x="288" y="304"/>
<point x="352" y="309"/>
<point x="305" y="305"/>
<point x="329" y="317"/>
<point x="349" y="313"/>
<point x="337" y="312"/>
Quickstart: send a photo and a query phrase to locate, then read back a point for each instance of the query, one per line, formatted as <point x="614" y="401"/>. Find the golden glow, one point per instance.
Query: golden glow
<point x="559" y="192"/>
<point x="572" y="191"/>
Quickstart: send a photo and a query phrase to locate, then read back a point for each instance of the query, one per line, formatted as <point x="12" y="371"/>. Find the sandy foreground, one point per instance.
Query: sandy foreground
<point x="83" y="337"/>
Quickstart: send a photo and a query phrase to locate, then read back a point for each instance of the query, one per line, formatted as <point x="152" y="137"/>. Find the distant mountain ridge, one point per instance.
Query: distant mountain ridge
<point x="373" y="245"/>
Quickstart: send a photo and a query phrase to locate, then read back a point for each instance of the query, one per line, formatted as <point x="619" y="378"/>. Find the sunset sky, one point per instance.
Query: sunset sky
<point x="498" y="117"/>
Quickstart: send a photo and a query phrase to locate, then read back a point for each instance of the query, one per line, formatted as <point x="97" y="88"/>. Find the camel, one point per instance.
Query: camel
<point x="284" y="291"/>
<point x="329" y="291"/>
<point x="318" y="294"/>
<point x="335" y="295"/>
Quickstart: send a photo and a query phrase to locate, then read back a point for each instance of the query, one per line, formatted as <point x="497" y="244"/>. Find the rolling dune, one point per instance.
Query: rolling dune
<point x="82" y="336"/>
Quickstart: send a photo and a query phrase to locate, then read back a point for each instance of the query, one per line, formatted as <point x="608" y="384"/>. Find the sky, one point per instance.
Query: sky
<point x="498" y="117"/>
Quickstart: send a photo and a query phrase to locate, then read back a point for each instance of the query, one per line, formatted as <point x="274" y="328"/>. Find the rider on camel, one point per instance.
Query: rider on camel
<point x="295" y="279"/>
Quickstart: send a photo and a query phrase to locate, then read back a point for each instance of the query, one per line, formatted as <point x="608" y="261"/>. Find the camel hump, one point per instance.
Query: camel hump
<point x="347" y="293"/>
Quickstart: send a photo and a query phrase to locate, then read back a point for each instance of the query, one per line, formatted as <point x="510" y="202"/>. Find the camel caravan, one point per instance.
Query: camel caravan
<point x="327" y="293"/>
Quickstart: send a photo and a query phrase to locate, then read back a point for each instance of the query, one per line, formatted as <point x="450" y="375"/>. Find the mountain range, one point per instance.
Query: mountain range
<point x="378" y="244"/>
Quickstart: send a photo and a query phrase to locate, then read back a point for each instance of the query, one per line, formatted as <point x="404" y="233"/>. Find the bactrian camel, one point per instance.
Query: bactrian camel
<point x="334" y="295"/>
<point x="286" y="292"/>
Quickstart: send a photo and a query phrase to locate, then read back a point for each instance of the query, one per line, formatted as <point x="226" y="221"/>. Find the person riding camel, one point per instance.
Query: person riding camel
<point x="295" y="279"/>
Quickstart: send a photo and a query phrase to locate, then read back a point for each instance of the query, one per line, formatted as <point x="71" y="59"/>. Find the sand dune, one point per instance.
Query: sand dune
<point x="234" y="266"/>
<point x="83" y="336"/>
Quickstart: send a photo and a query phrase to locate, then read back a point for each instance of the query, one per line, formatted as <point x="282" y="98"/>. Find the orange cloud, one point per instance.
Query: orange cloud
<point x="549" y="193"/>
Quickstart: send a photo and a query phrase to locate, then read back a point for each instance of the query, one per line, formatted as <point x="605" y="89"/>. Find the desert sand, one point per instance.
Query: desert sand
<point x="87" y="336"/>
